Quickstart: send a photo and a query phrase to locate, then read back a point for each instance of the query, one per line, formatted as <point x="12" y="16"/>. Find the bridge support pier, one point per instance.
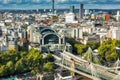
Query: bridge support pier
<point x="73" y="67"/>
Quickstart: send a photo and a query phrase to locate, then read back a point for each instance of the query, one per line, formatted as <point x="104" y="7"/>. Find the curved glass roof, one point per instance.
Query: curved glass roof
<point x="51" y="39"/>
<point x="46" y="30"/>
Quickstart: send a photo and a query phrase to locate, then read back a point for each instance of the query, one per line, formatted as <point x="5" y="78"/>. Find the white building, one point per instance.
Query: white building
<point x="8" y="21"/>
<point x="77" y="33"/>
<point x="86" y="11"/>
<point x="70" y="18"/>
<point x="45" y="39"/>
<point x="72" y="32"/>
<point x="34" y="35"/>
<point x="88" y="29"/>
<point x="118" y="16"/>
<point x="2" y="23"/>
<point x="116" y="33"/>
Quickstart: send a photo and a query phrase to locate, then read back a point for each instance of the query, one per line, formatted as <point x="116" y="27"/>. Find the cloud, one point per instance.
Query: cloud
<point x="62" y="1"/>
<point x="6" y="1"/>
<point x="37" y="1"/>
<point x="59" y="3"/>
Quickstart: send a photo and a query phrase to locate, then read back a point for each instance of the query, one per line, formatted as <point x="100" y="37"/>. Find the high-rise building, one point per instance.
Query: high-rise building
<point x="118" y="16"/>
<point x="81" y="10"/>
<point x="107" y="17"/>
<point x="1" y="16"/>
<point x="53" y="6"/>
<point x="86" y="12"/>
<point x="72" y="9"/>
<point x="118" y="12"/>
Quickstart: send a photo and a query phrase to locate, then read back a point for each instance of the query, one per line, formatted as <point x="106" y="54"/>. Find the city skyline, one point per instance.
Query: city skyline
<point x="59" y="4"/>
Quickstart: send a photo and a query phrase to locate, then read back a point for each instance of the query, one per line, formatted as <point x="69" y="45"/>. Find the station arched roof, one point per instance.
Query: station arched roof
<point x="50" y="34"/>
<point x="51" y="38"/>
<point x="47" y="30"/>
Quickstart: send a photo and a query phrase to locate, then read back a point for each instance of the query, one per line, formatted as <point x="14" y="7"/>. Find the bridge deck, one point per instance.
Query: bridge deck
<point x="83" y="67"/>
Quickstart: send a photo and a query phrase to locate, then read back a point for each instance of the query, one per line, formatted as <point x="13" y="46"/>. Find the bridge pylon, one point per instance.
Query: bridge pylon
<point x="73" y="67"/>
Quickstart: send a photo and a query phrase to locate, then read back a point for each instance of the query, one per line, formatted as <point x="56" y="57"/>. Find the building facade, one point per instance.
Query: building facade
<point x="46" y="39"/>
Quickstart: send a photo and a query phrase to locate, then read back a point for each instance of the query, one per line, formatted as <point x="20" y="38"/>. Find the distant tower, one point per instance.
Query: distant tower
<point x="81" y="10"/>
<point x="72" y="8"/>
<point x="118" y="16"/>
<point x="86" y="12"/>
<point x="53" y="6"/>
<point x="118" y="12"/>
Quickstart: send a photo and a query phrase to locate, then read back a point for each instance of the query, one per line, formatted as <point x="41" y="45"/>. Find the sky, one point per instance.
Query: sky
<point x="46" y="4"/>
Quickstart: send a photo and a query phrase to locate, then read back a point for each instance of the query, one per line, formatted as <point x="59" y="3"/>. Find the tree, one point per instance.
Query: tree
<point x="80" y="48"/>
<point x="108" y="50"/>
<point x="10" y="67"/>
<point x="23" y="53"/>
<point x="55" y="17"/>
<point x="3" y="70"/>
<point x="48" y="67"/>
<point x="19" y="68"/>
<point x="35" y="58"/>
<point x="103" y="49"/>
<point x="72" y="41"/>
<point x="3" y="58"/>
<point x="12" y="55"/>
<point x="20" y="62"/>
<point x="36" y="70"/>
<point x="93" y="45"/>
<point x="49" y="58"/>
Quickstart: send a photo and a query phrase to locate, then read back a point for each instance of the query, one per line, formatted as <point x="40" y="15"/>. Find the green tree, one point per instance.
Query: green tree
<point x="23" y="54"/>
<point x="13" y="56"/>
<point x="3" y="70"/>
<point x="48" y="67"/>
<point x="108" y="50"/>
<point x="49" y="58"/>
<point x="3" y="58"/>
<point x="34" y="59"/>
<point x="103" y="49"/>
<point x="24" y="61"/>
<point x="36" y="70"/>
<point x="80" y="48"/>
<point x="10" y="67"/>
<point x="55" y="17"/>
<point x="19" y="68"/>
<point x="93" y="45"/>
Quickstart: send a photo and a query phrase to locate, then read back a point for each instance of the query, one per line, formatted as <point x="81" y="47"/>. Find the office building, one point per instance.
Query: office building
<point x="118" y="16"/>
<point x="12" y="45"/>
<point x="77" y="33"/>
<point x="86" y="12"/>
<point x="81" y="11"/>
<point x="72" y="32"/>
<point x="115" y="33"/>
<point x="53" y="6"/>
<point x="70" y="18"/>
<point x="1" y="16"/>
<point x="72" y="9"/>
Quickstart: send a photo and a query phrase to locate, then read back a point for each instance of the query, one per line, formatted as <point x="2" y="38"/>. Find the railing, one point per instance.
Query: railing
<point x="100" y="71"/>
<point x="100" y="74"/>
